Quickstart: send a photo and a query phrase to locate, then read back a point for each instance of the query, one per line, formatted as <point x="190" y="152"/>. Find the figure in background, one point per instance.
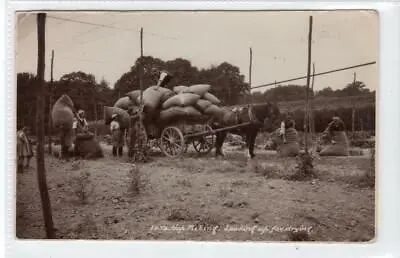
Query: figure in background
<point x="80" y="124"/>
<point x="163" y="79"/>
<point x="24" y="148"/>
<point x="335" y="136"/>
<point x="286" y="123"/>
<point x="336" y="125"/>
<point x="118" y="136"/>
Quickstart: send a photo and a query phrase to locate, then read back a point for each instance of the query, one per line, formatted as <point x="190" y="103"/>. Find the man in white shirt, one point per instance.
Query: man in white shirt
<point x="163" y="79"/>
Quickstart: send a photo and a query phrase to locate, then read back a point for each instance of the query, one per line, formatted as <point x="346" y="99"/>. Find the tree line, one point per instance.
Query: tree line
<point x="92" y="95"/>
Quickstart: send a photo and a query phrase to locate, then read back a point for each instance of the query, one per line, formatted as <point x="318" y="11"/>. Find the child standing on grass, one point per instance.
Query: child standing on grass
<point x="24" y="148"/>
<point x="118" y="136"/>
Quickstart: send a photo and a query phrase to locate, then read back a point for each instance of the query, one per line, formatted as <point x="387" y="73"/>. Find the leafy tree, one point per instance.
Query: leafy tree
<point x="26" y="99"/>
<point x="354" y="89"/>
<point x="326" y="92"/>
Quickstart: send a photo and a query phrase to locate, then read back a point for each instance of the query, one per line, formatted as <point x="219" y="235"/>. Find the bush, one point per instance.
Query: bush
<point x="82" y="186"/>
<point x="135" y="181"/>
<point x="304" y="169"/>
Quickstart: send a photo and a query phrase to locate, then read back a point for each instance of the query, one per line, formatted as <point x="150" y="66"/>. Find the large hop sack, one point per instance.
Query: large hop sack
<point x="124" y="117"/>
<point x="124" y="103"/>
<point x="179" y="89"/>
<point x="176" y="112"/>
<point x="210" y="97"/>
<point x="202" y="104"/>
<point x="199" y="89"/>
<point x="340" y="147"/>
<point x="215" y="111"/>
<point x="183" y="100"/>
<point x="88" y="149"/>
<point x="134" y="96"/>
<point x="152" y="97"/>
<point x="166" y="95"/>
<point x="292" y="147"/>
<point x="62" y="113"/>
<point x="66" y="101"/>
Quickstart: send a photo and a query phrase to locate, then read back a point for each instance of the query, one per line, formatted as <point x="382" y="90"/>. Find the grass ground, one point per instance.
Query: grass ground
<point x="201" y="198"/>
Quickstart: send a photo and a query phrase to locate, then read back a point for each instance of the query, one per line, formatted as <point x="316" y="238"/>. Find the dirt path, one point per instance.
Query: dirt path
<point x="202" y="199"/>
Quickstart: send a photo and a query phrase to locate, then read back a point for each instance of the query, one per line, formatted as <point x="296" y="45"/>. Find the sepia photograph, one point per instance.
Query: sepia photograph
<point x="196" y="125"/>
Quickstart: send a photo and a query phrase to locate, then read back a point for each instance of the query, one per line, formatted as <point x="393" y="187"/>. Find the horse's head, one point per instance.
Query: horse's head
<point x="268" y="113"/>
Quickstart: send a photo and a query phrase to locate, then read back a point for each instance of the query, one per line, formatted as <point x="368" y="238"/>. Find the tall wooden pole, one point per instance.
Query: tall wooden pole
<point x="353" y="111"/>
<point x="140" y="137"/>
<point x="141" y="66"/>
<point x="41" y="170"/>
<point x="51" y="85"/>
<point x="250" y="68"/>
<point x="94" y="102"/>
<point x="308" y="81"/>
<point x="312" y="124"/>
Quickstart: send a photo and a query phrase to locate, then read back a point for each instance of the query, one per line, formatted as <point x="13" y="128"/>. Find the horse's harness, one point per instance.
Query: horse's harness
<point x="253" y="117"/>
<point x="250" y="112"/>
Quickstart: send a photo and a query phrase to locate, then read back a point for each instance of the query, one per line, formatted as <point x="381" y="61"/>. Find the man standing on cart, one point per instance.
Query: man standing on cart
<point x="164" y="78"/>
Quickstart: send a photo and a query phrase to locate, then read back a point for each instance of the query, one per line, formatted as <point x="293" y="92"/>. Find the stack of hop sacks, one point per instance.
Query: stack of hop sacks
<point x="191" y="102"/>
<point x="165" y="105"/>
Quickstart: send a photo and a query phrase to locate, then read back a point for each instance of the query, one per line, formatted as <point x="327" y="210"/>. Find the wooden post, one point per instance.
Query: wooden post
<point x="354" y="78"/>
<point x="353" y="116"/>
<point x="308" y="81"/>
<point x="141" y="67"/>
<point x="141" y="42"/>
<point x="250" y="69"/>
<point x="95" y="115"/>
<point x="41" y="170"/>
<point x="50" y="122"/>
<point x="139" y="138"/>
<point x="312" y="124"/>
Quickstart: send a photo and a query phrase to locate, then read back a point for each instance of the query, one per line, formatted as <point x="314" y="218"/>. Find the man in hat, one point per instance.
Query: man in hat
<point x="164" y="78"/>
<point x="117" y="136"/>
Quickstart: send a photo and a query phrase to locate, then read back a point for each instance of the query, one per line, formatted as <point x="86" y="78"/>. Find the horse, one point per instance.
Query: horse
<point x="257" y="116"/>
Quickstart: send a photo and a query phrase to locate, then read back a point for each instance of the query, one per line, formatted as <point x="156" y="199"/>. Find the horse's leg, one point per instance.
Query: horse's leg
<point x="252" y="143"/>
<point x="219" y="141"/>
<point x="251" y="139"/>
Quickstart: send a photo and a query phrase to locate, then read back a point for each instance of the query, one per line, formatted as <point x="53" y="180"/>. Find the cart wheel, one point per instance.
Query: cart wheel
<point x="205" y="144"/>
<point x="172" y="142"/>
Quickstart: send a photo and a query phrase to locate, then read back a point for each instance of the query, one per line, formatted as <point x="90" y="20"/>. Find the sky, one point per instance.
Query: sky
<point x="106" y="44"/>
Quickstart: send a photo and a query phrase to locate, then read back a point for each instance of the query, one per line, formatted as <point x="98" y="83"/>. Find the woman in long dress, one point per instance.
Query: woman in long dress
<point x="24" y="148"/>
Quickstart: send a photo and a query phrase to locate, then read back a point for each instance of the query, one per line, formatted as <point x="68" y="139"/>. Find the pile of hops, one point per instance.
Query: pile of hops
<point x="165" y="105"/>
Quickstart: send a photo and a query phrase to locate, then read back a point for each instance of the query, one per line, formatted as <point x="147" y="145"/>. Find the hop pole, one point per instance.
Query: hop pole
<point x="41" y="169"/>
<point x="306" y="123"/>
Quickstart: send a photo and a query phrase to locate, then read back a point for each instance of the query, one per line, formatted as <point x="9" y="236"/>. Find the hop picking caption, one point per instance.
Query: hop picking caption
<point x="214" y="229"/>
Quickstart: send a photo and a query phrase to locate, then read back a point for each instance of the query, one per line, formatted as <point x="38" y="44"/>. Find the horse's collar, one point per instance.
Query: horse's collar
<point x="253" y="117"/>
